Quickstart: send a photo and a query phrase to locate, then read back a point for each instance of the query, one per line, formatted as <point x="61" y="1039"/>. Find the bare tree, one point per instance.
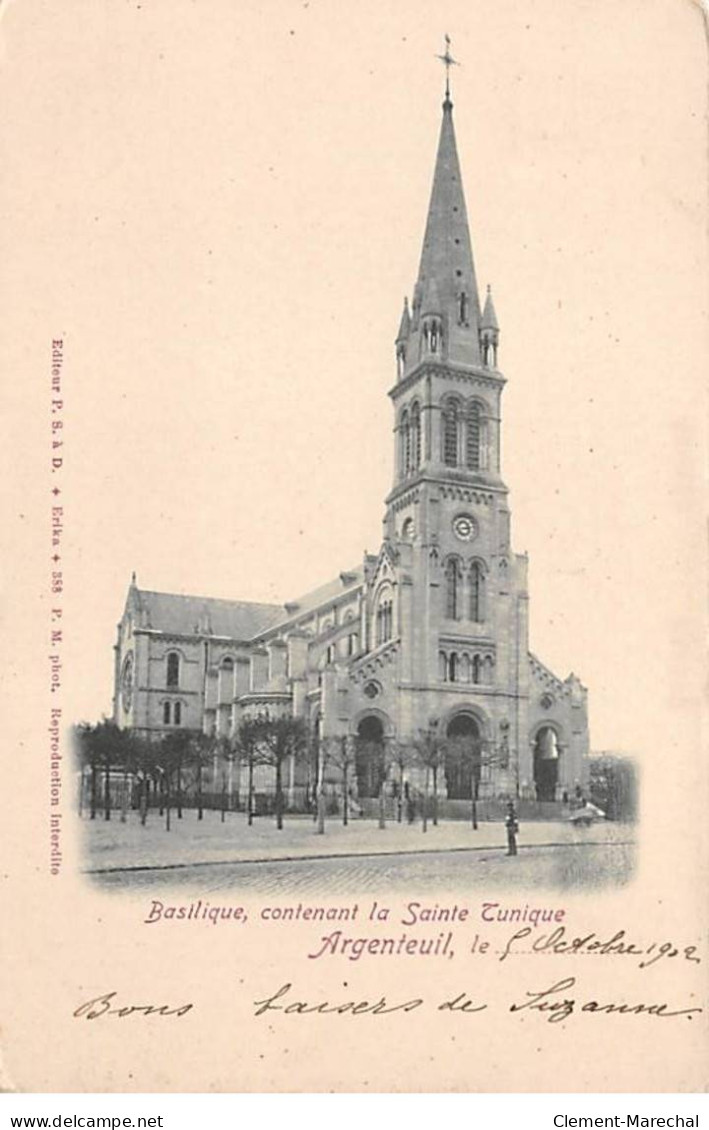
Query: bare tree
<point x="202" y="749"/>
<point x="341" y="753"/>
<point x="280" y="740"/>
<point x="226" y="754"/>
<point x="247" y="740"/>
<point x="104" y="747"/>
<point x="429" y="752"/>
<point x="176" y="747"/>
<point x="400" y="756"/>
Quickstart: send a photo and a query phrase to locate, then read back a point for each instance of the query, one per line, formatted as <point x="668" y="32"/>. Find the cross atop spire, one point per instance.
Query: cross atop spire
<point x="448" y="62"/>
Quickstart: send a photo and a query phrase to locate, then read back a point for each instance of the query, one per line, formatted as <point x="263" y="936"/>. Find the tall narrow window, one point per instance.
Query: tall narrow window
<point x="178" y="713"/>
<point x="415" y="437"/>
<point x="453" y="668"/>
<point x="472" y="437"/>
<point x="477" y="593"/>
<point x="405" y="444"/>
<point x="450" y="434"/>
<point x="166" y="713"/>
<point x="452" y="589"/>
<point x="352" y="644"/>
<point x="173" y="669"/>
<point x="388" y="622"/>
<point x="385" y="618"/>
<point x="477" y="667"/>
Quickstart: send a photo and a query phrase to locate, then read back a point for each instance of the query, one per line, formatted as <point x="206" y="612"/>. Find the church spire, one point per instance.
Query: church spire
<point x="446" y="279"/>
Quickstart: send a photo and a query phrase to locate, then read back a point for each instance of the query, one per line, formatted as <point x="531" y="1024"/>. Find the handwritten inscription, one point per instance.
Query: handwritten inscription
<point x="106" y="1005"/>
<point x="613" y="945"/>
<point x="554" y="1003"/>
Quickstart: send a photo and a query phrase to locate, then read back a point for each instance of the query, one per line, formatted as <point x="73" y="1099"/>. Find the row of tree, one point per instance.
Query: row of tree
<point x="169" y="772"/>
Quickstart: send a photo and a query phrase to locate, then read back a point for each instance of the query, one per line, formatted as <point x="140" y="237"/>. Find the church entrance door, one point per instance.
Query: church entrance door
<point x="369" y="757"/>
<point x="546" y="763"/>
<point x="463" y="757"/>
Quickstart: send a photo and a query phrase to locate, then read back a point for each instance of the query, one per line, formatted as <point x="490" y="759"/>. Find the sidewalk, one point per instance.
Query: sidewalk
<point x="111" y="845"/>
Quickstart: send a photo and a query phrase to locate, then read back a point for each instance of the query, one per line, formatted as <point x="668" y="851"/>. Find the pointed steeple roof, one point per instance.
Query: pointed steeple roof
<point x="489" y="318"/>
<point x="446" y="274"/>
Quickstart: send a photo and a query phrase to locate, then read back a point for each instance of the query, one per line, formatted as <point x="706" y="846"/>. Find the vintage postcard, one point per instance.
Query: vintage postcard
<point x="355" y="571"/>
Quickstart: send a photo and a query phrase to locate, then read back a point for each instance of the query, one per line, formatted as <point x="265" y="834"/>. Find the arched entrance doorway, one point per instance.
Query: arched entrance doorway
<point x="369" y="756"/>
<point x="463" y="757"/>
<point x="546" y="763"/>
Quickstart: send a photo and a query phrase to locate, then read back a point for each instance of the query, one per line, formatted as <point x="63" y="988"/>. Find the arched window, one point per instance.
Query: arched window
<point x="452" y="589"/>
<point x="226" y="680"/>
<point x="330" y="654"/>
<point x="477" y="668"/>
<point x="178" y="713"/>
<point x="450" y="434"/>
<point x="473" y="437"/>
<point x="405" y="443"/>
<point x="166" y="713"/>
<point x="477" y="593"/>
<point x="352" y="643"/>
<point x="453" y="668"/>
<point x="415" y="437"/>
<point x="385" y="617"/>
<point x="173" y="669"/>
<point x="442" y="666"/>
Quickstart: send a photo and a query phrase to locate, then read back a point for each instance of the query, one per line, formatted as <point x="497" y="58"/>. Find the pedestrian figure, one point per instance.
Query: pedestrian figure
<point x="512" y="828"/>
<point x="410" y="809"/>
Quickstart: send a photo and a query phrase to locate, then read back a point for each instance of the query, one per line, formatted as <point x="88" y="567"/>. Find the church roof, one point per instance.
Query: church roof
<point x="185" y="615"/>
<point x="180" y="614"/>
<point x="348" y="580"/>
<point x="447" y="256"/>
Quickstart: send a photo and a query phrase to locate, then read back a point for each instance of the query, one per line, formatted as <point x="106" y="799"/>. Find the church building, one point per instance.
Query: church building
<point x="430" y="635"/>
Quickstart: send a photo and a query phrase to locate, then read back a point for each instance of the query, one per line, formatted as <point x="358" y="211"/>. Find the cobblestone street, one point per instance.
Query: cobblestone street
<point x="583" y="867"/>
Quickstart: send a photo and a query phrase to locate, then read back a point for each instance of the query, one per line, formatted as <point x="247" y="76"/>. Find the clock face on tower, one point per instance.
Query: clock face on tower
<point x="465" y="527"/>
<point x="127" y="682"/>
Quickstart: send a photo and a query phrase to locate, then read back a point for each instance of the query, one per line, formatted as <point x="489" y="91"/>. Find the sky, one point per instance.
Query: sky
<point x="220" y="208"/>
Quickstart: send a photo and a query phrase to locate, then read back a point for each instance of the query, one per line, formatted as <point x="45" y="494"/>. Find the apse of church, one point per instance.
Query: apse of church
<point x="427" y="640"/>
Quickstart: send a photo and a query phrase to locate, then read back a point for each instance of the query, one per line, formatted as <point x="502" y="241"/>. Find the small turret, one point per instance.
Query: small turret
<point x="489" y="333"/>
<point x="402" y="338"/>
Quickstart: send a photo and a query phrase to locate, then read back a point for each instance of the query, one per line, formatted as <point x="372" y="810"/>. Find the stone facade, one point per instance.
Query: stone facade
<point x="428" y="636"/>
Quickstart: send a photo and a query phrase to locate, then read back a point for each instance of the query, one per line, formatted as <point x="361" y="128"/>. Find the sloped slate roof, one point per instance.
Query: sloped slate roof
<point x="301" y="605"/>
<point x="180" y="614"/>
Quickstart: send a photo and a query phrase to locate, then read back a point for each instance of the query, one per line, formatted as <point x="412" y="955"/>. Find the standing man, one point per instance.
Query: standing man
<point x="512" y="828"/>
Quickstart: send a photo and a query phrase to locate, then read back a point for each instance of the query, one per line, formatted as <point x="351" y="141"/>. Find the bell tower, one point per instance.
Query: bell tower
<point x="447" y="395"/>
<point x="463" y="592"/>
